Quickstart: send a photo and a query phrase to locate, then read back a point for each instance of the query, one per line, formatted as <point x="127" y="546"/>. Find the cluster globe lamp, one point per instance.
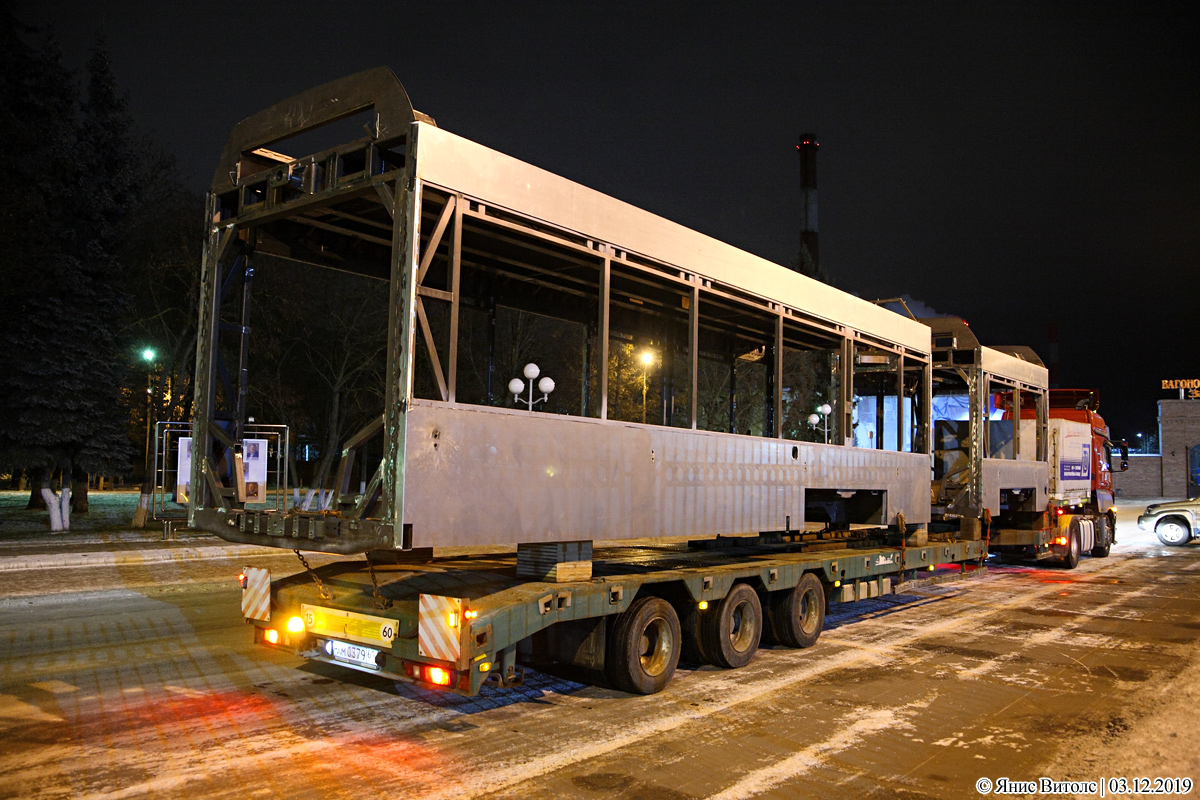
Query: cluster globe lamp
<point x="517" y="387"/>
<point x="821" y="415"/>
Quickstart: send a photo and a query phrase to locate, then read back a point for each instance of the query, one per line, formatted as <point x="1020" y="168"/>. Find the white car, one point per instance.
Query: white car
<point x="1176" y="523"/>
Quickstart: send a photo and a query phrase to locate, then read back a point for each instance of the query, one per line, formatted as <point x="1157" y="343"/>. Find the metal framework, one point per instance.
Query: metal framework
<point x="462" y="234"/>
<point x="961" y="365"/>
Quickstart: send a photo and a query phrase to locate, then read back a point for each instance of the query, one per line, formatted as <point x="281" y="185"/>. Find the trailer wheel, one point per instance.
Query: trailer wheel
<point x="730" y="633"/>
<point x="1071" y="559"/>
<point x="644" y="648"/>
<point x="797" y="616"/>
<point x="1103" y="538"/>
<point x="1173" y="531"/>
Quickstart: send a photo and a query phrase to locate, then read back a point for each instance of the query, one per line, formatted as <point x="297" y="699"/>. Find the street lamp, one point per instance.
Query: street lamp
<point x="545" y="386"/>
<point x="1141" y="444"/>
<point x="647" y="360"/>
<point x="143" y="510"/>
<point x="822" y="413"/>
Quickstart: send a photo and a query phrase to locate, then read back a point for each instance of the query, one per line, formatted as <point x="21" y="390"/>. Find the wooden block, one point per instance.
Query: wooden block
<point x="555" y="561"/>
<point x="970" y="529"/>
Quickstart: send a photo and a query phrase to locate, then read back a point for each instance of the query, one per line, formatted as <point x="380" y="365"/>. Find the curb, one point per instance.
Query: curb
<point x="120" y="559"/>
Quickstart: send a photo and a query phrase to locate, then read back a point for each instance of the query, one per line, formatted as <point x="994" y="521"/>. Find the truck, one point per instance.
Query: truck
<point x="667" y="417"/>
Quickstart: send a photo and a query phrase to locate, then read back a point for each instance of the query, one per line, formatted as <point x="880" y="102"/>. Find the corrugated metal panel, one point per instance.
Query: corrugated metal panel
<point x="543" y="477"/>
<point x="456" y="163"/>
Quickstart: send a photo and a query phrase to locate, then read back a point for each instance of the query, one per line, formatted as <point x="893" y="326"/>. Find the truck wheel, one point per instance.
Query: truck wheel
<point x="797" y="616"/>
<point x="1071" y="559"/>
<point x="1103" y="538"/>
<point x="731" y="632"/>
<point x="644" y="648"/>
<point x="1171" y="531"/>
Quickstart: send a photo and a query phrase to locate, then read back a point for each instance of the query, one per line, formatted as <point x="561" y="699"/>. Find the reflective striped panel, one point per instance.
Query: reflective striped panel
<point x="439" y="627"/>
<point x="256" y="597"/>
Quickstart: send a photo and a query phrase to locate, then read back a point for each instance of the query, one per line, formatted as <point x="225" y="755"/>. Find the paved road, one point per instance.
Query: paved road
<point x="138" y="680"/>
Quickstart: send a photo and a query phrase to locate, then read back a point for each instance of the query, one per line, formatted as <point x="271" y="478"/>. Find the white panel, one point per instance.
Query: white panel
<point x="456" y="163"/>
<point x="1015" y="369"/>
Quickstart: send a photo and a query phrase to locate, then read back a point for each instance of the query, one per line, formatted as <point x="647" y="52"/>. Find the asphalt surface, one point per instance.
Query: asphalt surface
<point x="133" y="676"/>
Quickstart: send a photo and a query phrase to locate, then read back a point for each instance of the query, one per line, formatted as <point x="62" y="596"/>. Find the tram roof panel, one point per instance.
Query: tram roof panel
<point x="454" y="162"/>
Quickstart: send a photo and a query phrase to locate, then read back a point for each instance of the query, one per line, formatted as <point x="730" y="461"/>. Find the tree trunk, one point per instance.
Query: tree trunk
<point x="38" y="478"/>
<point x="79" y="491"/>
<point x="53" y="507"/>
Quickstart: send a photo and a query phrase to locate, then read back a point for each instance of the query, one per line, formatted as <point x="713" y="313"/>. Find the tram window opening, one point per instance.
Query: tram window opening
<point x="649" y="353"/>
<point x="811" y="371"/>
<point x="882" y="418"/>
<point x="736" y="373"/>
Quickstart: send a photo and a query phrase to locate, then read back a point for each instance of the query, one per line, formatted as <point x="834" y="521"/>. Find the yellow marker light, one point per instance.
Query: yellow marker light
<point x="295" y="625"/>
<point x="452" y="619"/>
<point x="931" y="567"/>
<point x="836" y="584"/>
<point x="271" y="635"/>
<point x="485" y="666"/>
<point x="703" y="605"/>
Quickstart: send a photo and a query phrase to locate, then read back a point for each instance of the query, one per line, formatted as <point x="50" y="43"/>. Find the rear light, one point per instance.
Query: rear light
<point x="1059" y="511"/>
<point x="1061" y="540"/>
<point x="242" y="580"/>
<point x="295" y="625"/>
<point x="428" y="673"/>
<point x="271" y="635"/>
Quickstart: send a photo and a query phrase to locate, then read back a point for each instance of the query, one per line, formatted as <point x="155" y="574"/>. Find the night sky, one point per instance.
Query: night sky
<point x="1012" y="163"/>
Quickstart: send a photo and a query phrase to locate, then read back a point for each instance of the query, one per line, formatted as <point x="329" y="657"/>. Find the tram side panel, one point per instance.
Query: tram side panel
<point x="476" y="476"/>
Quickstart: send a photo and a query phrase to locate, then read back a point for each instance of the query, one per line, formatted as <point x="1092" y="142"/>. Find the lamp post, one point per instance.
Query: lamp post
<point x="647" y="360"/>
<point x="545" y="386"/>
<point x="822" y="414"/>
<point x="142" y="513"/>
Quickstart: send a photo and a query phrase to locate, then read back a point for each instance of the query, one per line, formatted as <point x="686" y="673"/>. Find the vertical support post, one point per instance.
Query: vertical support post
<point x="406" y="217"/>
<point x="777" y="393"/>
<point x="902" y="426"/>
<point x="206" y="344"/>
<point x="927" y="408"/>
<point x="605" y="284"/>
<point x="455" y="274"/>
<point x="1043" y="425"/>
<point x="491" y="349"/>
<point x="1016" y="415"/>
<point x="694" y="351"/>
<point x="848" y="388"/>
<point x="243" y="374"/>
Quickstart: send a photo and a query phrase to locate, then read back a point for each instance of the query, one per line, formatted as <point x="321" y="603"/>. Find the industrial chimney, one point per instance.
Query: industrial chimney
<point x="809" y="259"/>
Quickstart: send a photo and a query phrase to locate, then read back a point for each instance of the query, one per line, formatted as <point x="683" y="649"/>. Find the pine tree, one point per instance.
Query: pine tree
<point x="64" y="362"/>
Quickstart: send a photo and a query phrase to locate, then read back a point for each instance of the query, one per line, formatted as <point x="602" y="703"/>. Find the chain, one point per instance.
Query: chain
<point x="325" y="595"/>
<point x="381" y="602"/>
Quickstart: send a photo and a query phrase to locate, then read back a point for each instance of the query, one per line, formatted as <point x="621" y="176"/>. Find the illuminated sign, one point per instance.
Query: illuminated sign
<point x="1188" y="388"/>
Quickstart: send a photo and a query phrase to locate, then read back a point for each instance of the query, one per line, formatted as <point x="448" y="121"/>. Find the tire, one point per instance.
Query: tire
<point x="1071" y="559"/>
<point x="730" y="633"/>
<point x="1103" y="538"/>
<point x="1173" y="531"/>
<point x="643" y="649"/>
<point x="797" y="616"/>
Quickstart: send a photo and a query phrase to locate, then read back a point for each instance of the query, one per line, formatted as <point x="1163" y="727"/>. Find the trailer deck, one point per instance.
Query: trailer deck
<point x="464" y="615"/>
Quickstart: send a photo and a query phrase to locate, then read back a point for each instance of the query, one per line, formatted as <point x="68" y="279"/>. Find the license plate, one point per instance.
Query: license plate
<point x="353" y="654"/>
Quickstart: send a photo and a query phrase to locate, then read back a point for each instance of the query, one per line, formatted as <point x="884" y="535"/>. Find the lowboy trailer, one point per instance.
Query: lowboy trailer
<point x="460" y="622"/>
